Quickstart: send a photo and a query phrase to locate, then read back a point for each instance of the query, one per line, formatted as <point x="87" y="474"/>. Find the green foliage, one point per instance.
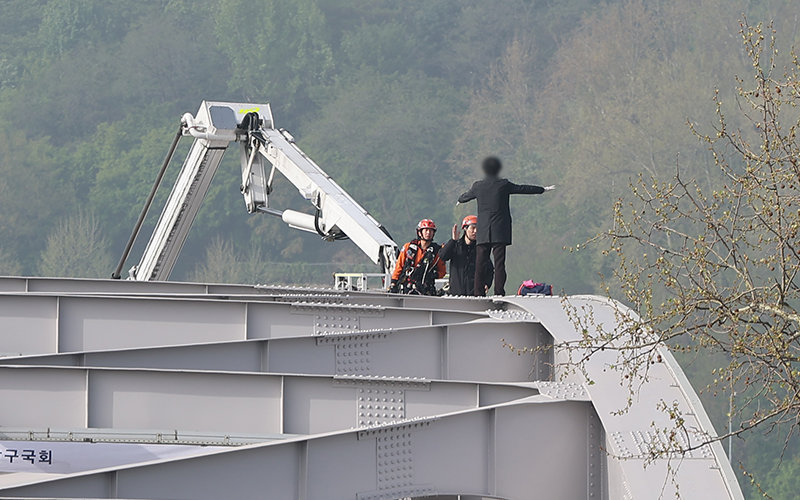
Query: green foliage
<point x="124" y="164"/>
<point x="224" y="264"/>
<point x="709" y="263"/>
<point x="174" y="74"/>
<point x="66" y="24"/>
<point x="783" y="480"/>
<point x="19" y="22"/>
<point x="277" y="51"/>
<point x="9" y="266"/>
<point x="32" y="194"/>
<point x="397" y="101"/>
<point x="382" y="47"/>
<point x="384" y="135"/>
<point x="76" y="248"/>
<point x="220" y="266"/>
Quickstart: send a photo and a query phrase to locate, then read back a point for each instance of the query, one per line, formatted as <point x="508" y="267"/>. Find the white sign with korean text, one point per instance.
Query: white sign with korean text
<point x="68" y="457"/>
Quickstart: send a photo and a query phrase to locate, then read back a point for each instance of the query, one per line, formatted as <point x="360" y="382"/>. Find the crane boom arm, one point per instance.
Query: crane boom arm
<point x="217" y="125"/>
<point x="337" y="212"/>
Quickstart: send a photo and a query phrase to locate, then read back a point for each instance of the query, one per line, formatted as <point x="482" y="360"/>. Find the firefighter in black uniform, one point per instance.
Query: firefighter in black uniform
<point x="494" y="233"/>
<point x="460" y="251"/>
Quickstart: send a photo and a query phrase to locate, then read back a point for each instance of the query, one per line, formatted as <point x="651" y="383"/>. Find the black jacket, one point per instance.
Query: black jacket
<point x="494" y="214"/>
<point x="462" y="266"/>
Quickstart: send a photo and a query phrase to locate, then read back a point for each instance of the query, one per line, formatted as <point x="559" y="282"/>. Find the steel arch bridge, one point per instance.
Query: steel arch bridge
<point x="125" y="389"/>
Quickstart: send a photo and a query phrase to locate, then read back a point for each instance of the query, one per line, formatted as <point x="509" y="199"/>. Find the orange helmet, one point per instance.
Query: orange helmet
<point x="426" y="224"/>
<point x="469" y="220"/>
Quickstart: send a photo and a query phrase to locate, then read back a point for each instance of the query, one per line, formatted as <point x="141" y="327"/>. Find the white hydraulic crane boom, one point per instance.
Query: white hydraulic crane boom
<point x="217" y="125"/>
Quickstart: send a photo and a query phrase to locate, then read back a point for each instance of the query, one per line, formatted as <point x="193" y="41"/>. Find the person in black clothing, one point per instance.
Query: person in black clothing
<point x="460" y="251"/>
<point x="494" y="232"/>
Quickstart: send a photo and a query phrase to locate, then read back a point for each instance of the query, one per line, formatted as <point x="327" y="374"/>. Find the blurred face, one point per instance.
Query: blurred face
<point x="471" y="231"/>
<point x="427" y="233"/>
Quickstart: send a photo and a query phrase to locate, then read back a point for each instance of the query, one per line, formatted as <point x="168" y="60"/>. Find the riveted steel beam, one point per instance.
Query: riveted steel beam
<point x="513" y="451"/>
<point x="243" y="403"/>
<point x="45" y="323"/>
<point x="463" y="351"/>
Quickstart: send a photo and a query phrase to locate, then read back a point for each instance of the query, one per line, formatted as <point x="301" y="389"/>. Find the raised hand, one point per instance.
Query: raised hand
<point x="455" y="231"/>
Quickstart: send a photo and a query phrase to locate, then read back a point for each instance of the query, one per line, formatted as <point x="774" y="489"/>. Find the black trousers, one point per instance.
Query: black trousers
<point x="498" y="251"/>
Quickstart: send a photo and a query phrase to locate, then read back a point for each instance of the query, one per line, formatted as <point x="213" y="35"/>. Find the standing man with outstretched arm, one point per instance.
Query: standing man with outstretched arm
<point x="494" y="231"/>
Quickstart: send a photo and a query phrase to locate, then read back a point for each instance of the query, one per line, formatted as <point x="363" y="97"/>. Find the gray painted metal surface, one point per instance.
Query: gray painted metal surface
<point x="454" y="351"/>
<point x="316" y="394"/>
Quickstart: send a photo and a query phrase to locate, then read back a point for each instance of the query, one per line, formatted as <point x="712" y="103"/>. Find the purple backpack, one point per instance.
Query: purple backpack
<point x="529" y="287"/>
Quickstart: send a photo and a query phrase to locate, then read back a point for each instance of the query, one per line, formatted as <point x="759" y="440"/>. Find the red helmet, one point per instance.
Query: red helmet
<point x="426" y="224"/>
<point x="469" y="220"/>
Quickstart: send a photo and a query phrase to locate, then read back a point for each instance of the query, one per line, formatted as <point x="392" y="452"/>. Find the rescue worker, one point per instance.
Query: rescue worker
<point x="418" y="265"/>
<point x="494" y="233"/>
<point x="460" y="251"/>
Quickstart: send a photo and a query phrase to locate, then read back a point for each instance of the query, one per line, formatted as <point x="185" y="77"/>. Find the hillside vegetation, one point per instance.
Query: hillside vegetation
<point x="397" y="101"/>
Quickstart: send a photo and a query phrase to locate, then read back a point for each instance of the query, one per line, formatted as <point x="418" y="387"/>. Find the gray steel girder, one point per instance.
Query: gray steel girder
<point x="485" y="438"/>
<point x="509" y="451"/>
<point x="78" y="286"/>
<point x="220" y="402"/>
<point x="50" y="323"/>
<point x="462" y="351"/>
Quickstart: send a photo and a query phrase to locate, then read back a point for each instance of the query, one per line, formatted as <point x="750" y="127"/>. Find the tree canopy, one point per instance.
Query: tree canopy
<point x="399" y="102"/>
<point x="710" y="263"/>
